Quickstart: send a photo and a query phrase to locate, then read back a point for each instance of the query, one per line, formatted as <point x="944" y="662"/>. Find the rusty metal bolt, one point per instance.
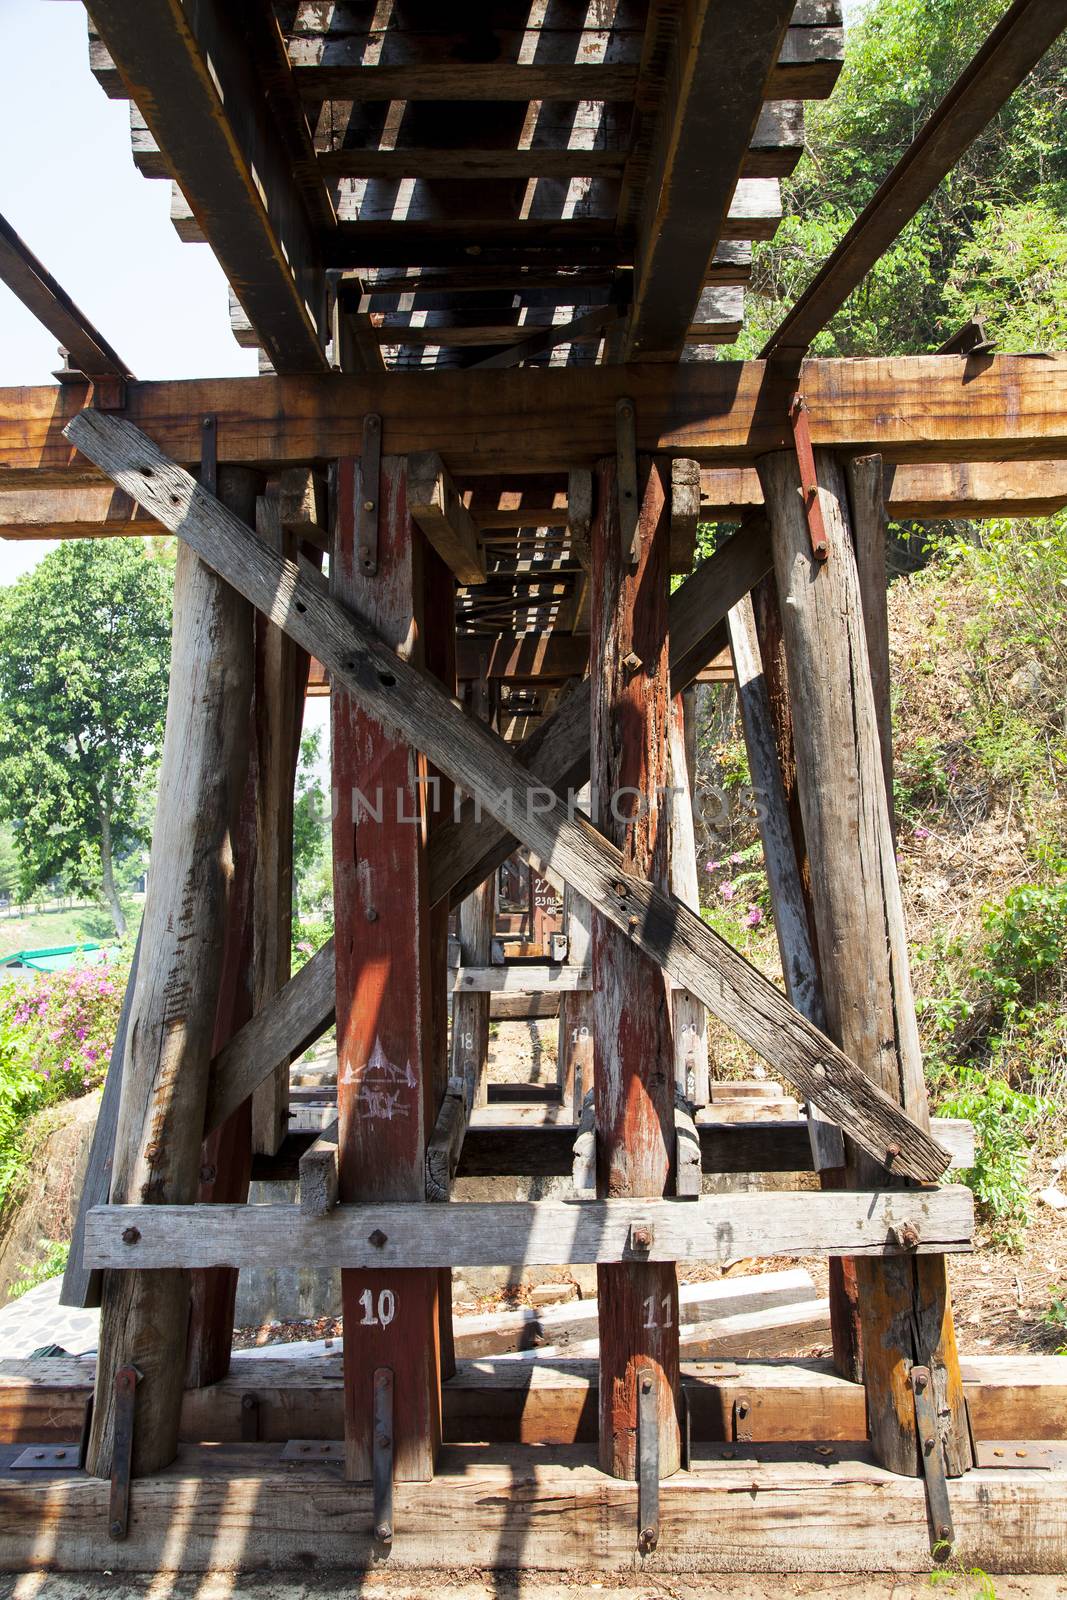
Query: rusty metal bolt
<point x="909" y="1236"/>
<point x="892" y="1151"/>
<point x="208" y="1173"/>
<point x="641" y="1238"/>
<point x="152" y="1154"/>
<point x="116" y="1530"/>
<point x="372" y="915"/>
<point x="130" y="1235"/>
<point x="920" y="1383"/>
<point x="378" y="1239"/>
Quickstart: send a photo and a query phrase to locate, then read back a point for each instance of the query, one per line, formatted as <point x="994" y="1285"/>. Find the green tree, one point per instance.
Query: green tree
<point x="84" y="653"/>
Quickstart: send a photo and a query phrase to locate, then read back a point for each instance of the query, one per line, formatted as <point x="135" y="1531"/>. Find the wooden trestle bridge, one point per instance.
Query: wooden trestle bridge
<point x="486" y="253"/>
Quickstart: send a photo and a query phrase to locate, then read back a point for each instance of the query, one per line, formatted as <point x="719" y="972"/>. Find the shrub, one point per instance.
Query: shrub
<point x="56" y="1034"/>
<point x="1004" y="1119"/>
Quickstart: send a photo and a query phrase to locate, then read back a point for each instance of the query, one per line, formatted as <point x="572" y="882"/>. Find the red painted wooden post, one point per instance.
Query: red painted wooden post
<point x="384" y="1025"/>
<point x="633" y="1050"/>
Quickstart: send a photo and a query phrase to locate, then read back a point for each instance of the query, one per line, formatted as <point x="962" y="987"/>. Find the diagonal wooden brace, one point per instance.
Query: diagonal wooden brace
<point x="406" y="700"/>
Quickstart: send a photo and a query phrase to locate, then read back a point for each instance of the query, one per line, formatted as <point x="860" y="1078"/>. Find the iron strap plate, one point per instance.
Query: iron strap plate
<point x="118" y="1514"/>
<point x="647" y="1462"/>
<point x="933" y="1460"/>
<point x="809" y="483"/>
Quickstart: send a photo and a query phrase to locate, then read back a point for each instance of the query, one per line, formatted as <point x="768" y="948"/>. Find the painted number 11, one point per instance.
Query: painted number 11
<point x="651" y="1320"/>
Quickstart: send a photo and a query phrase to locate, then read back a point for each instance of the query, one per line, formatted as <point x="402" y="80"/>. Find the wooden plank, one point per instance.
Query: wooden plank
<point x="909" y="408"/>
<point x="689" y="1017"/>
<point x="520" y="979"/>
<point x="515" y="657"/>
<point x="385" y="1058"/>
<point x="446" y="1143"/>
<point x="773" y="1509"/>
<point x="319" y="1178"/>
<point x="29" y="279"/>
<point x="716" y="1228"/>
<point x="855" y="893"/>
<point x="869" y="532"/>
<point x="574" y="1042"/>
<point x="172" y="1017"/>
<point x="398" y="695"/>
<point x="1023" y="34"/>
<point x="633" y="1046"/>
<point x="919" y="491"/>
<point x="477" y="912"/>
<point x="717" y="80"/>
<point x="438" y="509"/>
<point x="81" y="1287"/>
<point x="1009" y="1397"/>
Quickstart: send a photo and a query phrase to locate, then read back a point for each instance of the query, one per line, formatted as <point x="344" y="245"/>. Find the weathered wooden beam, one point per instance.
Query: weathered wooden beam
<point x="516" y="657"/>
<point x="437" y="507"/>
<point x="399" y="696"/>
<point x="87" y="351"/>
<point x="715" y="1228"/>
<point x="855" y="892"/>
<point x="1012" y="50"/>
<point x="918" y="491"/>
<point x="319" y="1180"/>
<point x="445" y="1144"/>
<point x="189" y="69"/>
<point x="915" y="491"/>
<point x="911" y="408"/>
<point x="633" y="1045"/>
<point x="476" y="916"/>
<point x="688" y="1015"/>
<point x="385" y="1045"/>
<point x="718" y="79"/>
<point x="520" y="979"/>
<point x="144" y="1318"/>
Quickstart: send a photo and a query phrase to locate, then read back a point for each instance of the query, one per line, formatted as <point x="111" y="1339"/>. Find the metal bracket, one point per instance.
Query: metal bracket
<point x="118" y="1510"/>
<point x="209" y="454"/>
<point x="809" y="483"/>
<point x="47" y="1458"/>
<point x="109" y="392"/>
<point x="313" y="1450"/>
<point x="626" y="478"/>
<point x="942" y="1533"/>
<point x="647" y="1462"/>
<point x="382" y="1456"/>
<point x="249" y="1418"/>
<point x="741" y="1420"/>
<point x="370" y="481"/>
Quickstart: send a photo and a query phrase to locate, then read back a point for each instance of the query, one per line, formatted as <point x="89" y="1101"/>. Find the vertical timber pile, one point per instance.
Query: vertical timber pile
<point x="904" y="1303"/>
<point x="763" y="692"/>
<point x="574" y="1053"/>
<point x="226" y="1160"/>
<point x="384" y="1023"/>
<point x="633" y="1048"/>
<point x="144" y="1316"/>
<point x="470" y="1012"/>
<point x="689" y="1015"/>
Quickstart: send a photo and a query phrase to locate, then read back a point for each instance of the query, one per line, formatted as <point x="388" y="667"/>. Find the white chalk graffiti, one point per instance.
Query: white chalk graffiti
<point x="381" y="1085"/>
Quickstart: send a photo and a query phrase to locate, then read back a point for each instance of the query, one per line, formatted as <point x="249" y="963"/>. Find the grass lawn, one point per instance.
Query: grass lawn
<point x="39" y="930"/>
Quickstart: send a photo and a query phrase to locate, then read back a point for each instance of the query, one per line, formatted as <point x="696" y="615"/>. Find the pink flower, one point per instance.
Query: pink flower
<point x="56" y="1033"/>
<point x="755" y="917"/>
<point x="922" y="833"/>
<point x="728" y="891"/>
<point x="82" y="1032"/>
<point x="737" y="858"/>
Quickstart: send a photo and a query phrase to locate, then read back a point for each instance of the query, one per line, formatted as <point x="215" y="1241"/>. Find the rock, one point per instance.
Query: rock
<point x="550" y="1294"/>
<point x="1054" y="1197"/>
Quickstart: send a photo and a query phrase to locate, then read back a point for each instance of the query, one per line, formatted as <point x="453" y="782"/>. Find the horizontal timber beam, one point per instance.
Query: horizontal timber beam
<point x="773" y="1509"/>
<point x="918" y="490"/>
<point x="519" y="979"/>
<point x="415" y="707"/>
<point x="911" y="408"/>
<point x="87" y="350"/>
<point x="715" y="1228"/>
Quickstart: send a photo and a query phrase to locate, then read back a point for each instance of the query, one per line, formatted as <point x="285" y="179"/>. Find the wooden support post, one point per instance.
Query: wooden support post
<point x="904" y="1304"/>
<point x="689" y="1015"/>
<point x="846" y="1333"/>
<point x="226" y="1159"/>
<point x="384" y="1026"/>
<point x="437" y="606"/>
<point x="633" y="1049"/>
<point x="866" y="494"/>
<point x="477" y="913"/>
<point x="144" y="1316"/>
<point x="574" y="1052"/>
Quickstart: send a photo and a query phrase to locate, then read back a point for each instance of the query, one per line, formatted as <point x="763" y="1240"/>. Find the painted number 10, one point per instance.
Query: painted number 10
<point x="381" y="1316"/>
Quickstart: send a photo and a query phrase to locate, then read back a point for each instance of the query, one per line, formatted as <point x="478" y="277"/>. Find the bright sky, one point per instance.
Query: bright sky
<point x="68" y="185"/>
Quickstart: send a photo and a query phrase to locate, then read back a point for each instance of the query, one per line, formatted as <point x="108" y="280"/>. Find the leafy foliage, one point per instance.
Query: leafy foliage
<point x="53" y="1261"/>
<point x="56" y="1034"/>
<point x="84" y="651"/>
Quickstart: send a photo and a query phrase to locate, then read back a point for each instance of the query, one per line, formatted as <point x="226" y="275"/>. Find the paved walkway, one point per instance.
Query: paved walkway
<point x="38" y="1319"/>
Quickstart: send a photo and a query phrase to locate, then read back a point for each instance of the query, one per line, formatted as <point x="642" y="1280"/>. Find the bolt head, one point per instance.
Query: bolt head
<point x="116" y="1530"/>
<point x="368" y="505"/>
<point x="130" y="1235"/>
<point x="378" y="1239"/>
